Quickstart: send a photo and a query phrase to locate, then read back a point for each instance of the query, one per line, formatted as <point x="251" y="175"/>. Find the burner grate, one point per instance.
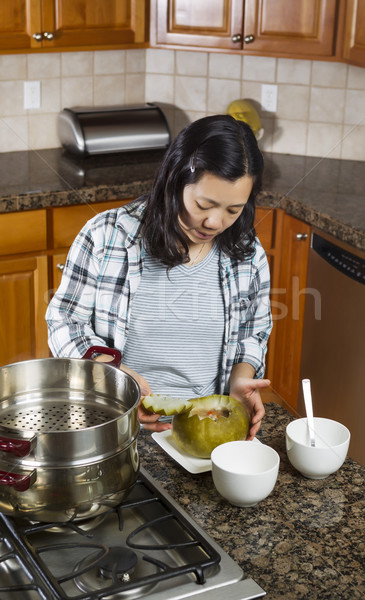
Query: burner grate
<point x="27" y="584"/>
<point x="164" y="541"/>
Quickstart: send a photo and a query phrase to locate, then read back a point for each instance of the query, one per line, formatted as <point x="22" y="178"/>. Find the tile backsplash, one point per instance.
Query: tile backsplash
<point x="320" y="105"/>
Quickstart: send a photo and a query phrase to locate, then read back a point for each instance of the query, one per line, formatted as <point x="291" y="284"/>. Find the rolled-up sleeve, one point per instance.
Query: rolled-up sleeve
<point x="256" y="321"/>
<point x="70" y="312"/>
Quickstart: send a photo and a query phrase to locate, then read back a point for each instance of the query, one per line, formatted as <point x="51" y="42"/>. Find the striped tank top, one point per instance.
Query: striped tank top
<point x="177" y="326"/>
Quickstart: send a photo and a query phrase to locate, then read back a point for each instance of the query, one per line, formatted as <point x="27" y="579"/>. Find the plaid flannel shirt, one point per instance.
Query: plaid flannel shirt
<point x="92" y="305"/>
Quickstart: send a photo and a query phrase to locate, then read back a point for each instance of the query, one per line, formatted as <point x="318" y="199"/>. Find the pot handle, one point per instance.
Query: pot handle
<point x="90" y="353"/>
<point x="17" y="445"/>
<point x="20" y="480"/>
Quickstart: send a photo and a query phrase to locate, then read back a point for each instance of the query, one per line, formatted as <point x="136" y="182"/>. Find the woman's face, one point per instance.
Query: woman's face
<point x="212" y="205"/>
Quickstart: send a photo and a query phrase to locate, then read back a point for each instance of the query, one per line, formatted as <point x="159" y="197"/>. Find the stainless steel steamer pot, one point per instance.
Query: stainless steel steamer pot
<point x="68" y="437"/>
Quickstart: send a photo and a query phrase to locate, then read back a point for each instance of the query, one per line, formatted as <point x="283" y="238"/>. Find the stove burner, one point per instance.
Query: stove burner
<point x="119" y="563"/>
<point x="99" y="576"/>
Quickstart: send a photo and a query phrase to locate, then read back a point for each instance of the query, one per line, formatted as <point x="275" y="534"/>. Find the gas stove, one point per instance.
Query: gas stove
<point x="147" y="548"/>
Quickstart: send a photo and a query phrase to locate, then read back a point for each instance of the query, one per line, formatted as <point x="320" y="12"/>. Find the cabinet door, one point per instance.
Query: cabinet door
<point x="203" y="24"/>
<point x="93" y="23"/>
<point x="22" y="232"/>
<point x="302" y="27"/>
<point x="19" y="20"/>
<point x="289" y="310"/>
<point x="354" y="33"/>
<point x="23" y="303"/>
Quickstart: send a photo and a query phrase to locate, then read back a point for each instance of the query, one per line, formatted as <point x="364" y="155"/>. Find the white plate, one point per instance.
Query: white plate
<point x="190" y="463"/>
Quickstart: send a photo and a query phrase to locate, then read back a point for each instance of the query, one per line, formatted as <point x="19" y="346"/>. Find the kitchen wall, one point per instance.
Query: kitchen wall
<point x="320" y="109"/>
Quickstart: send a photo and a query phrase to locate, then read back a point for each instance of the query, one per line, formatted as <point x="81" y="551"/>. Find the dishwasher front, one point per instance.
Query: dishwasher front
<point x="333" y="351"/>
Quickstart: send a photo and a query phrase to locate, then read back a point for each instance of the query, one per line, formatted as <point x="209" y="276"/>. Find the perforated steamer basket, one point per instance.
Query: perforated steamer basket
<point x="59" y="415"/>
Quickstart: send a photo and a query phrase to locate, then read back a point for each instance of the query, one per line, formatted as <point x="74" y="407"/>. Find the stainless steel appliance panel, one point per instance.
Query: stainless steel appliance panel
<point x="333" y="353"/>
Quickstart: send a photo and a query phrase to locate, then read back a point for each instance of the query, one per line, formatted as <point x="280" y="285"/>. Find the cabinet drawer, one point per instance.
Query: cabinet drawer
<point x="264" y="225"/>
<point x="23" y="232"/>
<point x="67" y="221"/>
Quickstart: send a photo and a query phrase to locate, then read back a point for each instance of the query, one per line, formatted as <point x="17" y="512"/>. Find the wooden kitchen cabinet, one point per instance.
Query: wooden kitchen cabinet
<point x="23" y="303"/>
<point x="312" y="29"/>
<point x="204" y="24"/>
<point x="23" y="232"/>
<point x="23" y="286"/>
<point x="279" y="27"/>
<point x="288" y="308"/>
<point x="46" y="25"/>
<point x="305" y="27"/>
<point x="19" y="20"/>
<point x="353" y="49"/>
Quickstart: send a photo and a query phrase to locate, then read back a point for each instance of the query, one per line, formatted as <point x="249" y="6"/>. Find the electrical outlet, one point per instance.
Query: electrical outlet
<point x="269" y="97"/>
<point x="32" y="94"/>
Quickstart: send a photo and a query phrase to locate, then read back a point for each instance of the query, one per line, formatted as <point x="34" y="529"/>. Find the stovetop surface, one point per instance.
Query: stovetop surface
<point x="146" y="548"/>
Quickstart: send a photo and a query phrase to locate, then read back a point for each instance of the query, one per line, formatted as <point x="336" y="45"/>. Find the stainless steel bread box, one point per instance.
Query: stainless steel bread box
<point x="88" y="131"/>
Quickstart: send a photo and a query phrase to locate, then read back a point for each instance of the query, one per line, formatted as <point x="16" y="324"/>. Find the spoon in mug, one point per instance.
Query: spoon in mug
<point x="309" y="409"/>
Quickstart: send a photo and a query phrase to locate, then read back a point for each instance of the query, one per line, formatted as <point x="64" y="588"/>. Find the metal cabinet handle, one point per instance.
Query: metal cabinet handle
<point x="301" y="237"/>
<point x="249" y="39"/>
<point x="60" y="266"/>
<point x="38" y="37"/>
<point x="236" y="38"/>
<point x="48" y="35"/>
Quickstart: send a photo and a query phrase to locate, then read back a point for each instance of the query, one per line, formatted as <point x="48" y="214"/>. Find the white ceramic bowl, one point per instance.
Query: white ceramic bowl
<point x="332" y="443"/>
<point x="244" y="473"/>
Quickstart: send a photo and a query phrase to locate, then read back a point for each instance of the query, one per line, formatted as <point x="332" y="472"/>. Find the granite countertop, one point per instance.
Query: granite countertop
<point x="327" y="193"/>
<point x="306" y="540"/>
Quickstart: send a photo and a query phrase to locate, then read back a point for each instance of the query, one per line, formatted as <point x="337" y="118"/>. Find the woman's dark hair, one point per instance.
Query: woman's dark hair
<point x="219" y="145"/>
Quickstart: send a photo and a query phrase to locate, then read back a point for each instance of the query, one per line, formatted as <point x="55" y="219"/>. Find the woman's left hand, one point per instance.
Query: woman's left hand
<point x="246" y="390"/>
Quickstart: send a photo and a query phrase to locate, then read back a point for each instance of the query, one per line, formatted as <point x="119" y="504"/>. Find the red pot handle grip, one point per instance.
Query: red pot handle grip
<point x="19" y="481"/>
<point x="90" y="353"/>
<point x="19" y="447"/>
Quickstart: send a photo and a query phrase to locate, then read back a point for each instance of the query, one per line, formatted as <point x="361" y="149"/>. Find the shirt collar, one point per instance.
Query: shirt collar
<point x="129" y="220"/>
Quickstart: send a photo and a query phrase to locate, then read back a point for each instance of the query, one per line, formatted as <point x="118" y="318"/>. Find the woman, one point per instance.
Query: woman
<point x="177" y="280"/>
